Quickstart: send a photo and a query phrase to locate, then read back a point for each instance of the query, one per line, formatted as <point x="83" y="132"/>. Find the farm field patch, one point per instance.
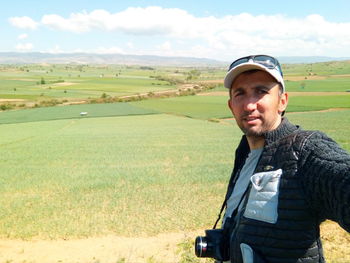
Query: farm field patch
<point x="215" y="106"/>
<point x="89" y="177"/>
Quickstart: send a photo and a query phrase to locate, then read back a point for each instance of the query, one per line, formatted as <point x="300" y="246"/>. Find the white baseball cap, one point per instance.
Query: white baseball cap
<point x="261" y="62"/>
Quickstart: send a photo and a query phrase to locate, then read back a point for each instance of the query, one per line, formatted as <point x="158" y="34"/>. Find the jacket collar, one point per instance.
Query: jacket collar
<point x="285" y="128"/>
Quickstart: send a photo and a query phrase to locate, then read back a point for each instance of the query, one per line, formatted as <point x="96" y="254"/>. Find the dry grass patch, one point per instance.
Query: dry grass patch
<point x="109" y="249"/>
<point x="63" y="84"/>
<point x="336" y="243"/>
<point x="11" y="100"/>
<point x="311" y="77"/>
<point x="160" y="248"/>
<point x="214" y="93"/>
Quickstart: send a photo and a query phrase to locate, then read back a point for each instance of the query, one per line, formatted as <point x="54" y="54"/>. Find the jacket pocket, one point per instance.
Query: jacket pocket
<point x="249" y="255"/>
<point x="262" y="202"/>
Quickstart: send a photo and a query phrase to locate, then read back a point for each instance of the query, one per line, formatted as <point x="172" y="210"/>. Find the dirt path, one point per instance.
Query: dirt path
<point x="11" y="100"/>
<point x="158" y="249"/>
<point x="110" y="249"/>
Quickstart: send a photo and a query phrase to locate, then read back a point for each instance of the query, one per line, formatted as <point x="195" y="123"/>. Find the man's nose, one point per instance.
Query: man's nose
<point x="250" y="104"/>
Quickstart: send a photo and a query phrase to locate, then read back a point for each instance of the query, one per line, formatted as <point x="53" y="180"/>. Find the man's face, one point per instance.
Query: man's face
<point x="256" y="102"/>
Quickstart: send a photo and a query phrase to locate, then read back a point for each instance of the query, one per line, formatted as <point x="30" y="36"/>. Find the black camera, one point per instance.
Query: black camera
<point x="213" y="245"/>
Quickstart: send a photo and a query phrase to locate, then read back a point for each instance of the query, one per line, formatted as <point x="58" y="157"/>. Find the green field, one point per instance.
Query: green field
<point x="95" y="176"/>
<point x="327" y="85"/>
<point x="73" y="112"/>
<point x="131" y="169"/>
<point x="36" y="82"/>
<point x="200" y="107"/>
<point x="205" y="107"/>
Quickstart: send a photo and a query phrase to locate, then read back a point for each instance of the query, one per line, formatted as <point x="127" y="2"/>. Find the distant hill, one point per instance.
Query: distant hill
<point x="90" y="58"/>
<point x="309" y="59"/>
<point x="86" y="58"/>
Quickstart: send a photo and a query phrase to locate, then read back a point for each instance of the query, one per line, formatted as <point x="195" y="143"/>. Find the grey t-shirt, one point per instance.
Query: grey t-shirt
<point x="242" y="181"/>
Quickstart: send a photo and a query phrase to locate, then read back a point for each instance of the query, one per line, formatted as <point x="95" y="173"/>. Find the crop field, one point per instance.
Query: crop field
<point x="82" y="111"/>
<point x="37" y="82"/>
<point x="205" y="107"/>
<point x="147" y="169"/>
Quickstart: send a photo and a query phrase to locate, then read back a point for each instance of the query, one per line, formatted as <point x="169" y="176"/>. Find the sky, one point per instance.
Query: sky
<point x="221" y="30"/>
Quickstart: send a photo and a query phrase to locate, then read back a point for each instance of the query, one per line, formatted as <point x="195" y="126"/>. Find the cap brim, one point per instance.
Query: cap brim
<point x="234" y="72"/>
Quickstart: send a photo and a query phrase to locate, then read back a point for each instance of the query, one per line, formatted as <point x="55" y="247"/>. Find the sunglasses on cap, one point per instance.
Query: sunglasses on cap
<point x="267" y="61"/>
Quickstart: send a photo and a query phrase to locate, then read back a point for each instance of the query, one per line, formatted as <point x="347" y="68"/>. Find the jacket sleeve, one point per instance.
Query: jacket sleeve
<point x="325" y="171"/>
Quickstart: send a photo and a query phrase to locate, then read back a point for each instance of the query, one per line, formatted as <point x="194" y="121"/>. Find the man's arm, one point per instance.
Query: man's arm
<point x="325" y="171"/>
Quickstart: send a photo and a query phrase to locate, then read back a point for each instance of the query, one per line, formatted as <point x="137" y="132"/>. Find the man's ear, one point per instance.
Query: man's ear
<point x="283" y="102"/>
<point x="229" y="104"/>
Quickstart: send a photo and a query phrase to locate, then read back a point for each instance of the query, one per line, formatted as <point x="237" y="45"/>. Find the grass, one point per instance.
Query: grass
<point x="82" y="88"/>
<point x="92" y="177"/>
<point x="322" y="68"/>
<point x="317" y="103"/>
<point x="202" y="107"/>
<point x="212" y="107"/>
<point x="80" y="81"/>
<point x="72" y="112"/>
<point x="334" y="123"/>
<point x="324" y="85"/>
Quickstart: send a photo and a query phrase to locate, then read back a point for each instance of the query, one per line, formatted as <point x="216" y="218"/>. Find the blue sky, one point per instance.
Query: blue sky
<point x="219" y="29"/>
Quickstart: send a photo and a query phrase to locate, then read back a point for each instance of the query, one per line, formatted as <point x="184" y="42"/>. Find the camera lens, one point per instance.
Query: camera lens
<point x="201" y="246"/>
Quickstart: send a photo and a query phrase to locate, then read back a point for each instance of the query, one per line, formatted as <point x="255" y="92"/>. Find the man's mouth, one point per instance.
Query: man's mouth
<point x="251" y="119"/>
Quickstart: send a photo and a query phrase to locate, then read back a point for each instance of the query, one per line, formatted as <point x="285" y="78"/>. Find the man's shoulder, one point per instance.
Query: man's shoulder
<point x="318" y="143"/>
<point x="310" y="141"/>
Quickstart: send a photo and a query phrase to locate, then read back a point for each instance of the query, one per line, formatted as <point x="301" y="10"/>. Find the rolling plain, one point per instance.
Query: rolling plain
<point x="110" y="163"/>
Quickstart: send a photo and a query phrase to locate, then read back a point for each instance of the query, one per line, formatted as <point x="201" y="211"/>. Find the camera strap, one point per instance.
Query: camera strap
<point x="219" y="216"/>
<point x="225" y="202"/>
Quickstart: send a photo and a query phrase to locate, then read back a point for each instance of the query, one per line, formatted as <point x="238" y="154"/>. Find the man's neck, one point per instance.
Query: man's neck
<point x="256" y="142"/>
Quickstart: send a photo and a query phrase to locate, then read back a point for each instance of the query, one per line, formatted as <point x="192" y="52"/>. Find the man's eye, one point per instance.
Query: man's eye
<point x="262" y="91"/>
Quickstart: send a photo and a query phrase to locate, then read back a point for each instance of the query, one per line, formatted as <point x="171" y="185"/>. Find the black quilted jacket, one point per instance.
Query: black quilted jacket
<point x="314" y="186"/>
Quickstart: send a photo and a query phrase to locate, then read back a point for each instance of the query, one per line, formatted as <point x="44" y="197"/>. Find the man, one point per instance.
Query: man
<point x="285" y="181"/>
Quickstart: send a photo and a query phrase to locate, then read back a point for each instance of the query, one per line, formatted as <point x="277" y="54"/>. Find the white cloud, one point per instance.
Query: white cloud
<point x="22" y="36"/>
<point x="219" y="37"/>
<point x="147" y="21"/>
<point x="55" y="50"/>
<point x="166" y="46"/>
<point x="23" y="22"/>
<point x="76" y="22"/>
<point x="24" y="46"/>
<point x="130" y="45"/>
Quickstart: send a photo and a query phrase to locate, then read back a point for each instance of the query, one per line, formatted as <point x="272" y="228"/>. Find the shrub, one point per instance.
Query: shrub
<point x="6" y="106"/>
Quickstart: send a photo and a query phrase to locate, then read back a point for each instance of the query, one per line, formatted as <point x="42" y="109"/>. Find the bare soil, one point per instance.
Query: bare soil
<point x="11" y="100"/>
<point x="64" y="84"/>
<point x="298" y="78"/>
<point x="214" y="93"/>
<point x="109" y="249"/>
<point x="157" y="249"/>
